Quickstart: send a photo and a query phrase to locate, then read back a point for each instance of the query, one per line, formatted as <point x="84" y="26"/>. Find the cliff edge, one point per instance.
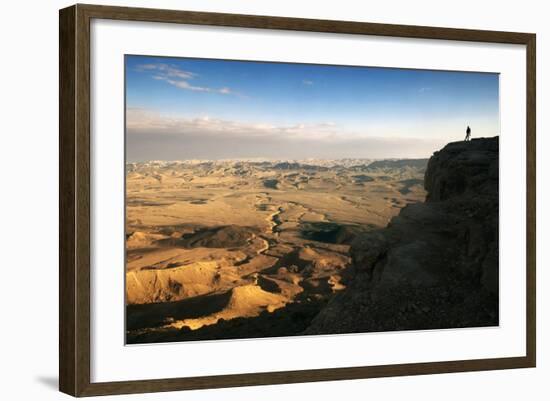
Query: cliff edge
<point x="436" y="264"/>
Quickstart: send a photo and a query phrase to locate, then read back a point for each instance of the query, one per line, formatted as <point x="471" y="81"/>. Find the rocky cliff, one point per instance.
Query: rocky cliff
<point x="436" y="264"/>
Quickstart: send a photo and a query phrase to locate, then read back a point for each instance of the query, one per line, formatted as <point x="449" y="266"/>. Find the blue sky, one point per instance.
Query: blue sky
<point x="248" y="106"/>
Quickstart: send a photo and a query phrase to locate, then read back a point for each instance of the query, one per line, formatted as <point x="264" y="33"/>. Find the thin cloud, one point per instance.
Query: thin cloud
<point x="179" y="78"/>
<point x="166" y="71"/>
<point x="153" y="123"/>
<point x="140" y="120"/>
<point x="307" y="82"/>
<point x="152" y="136"/>
<point x="424" y="89"/>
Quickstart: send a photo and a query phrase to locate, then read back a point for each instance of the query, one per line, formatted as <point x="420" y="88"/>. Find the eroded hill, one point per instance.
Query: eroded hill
<point x="235" y="249"/>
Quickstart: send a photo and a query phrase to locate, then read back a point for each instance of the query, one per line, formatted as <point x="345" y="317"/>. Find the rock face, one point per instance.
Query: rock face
<point x="462" y="169"/>
<point x="436" y="264"/>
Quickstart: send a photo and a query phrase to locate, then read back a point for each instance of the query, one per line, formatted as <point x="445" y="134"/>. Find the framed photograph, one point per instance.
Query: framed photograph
<point x="250" y="200"/>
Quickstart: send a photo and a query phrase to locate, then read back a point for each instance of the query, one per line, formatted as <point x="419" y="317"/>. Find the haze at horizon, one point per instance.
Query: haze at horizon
<point x="180" y="108"/>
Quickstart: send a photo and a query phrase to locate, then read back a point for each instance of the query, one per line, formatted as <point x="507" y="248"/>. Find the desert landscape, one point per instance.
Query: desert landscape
<point x="268" y="199"/>
<point x="214" y="245"/>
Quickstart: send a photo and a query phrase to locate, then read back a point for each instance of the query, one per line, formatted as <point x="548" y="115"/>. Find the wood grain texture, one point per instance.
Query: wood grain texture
<point x="74" y="199"/>
<point x="531" y="228"/>
<point x="301" y="24"/>
<point x="301" y="376"/>
<point x="67" y="265"/>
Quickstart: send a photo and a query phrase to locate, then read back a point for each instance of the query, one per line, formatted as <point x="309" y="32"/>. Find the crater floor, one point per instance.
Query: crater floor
<point x="238" y="249"/>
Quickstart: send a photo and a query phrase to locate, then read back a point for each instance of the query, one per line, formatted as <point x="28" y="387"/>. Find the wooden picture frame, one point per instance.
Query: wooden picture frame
<point x="74" y="203"/>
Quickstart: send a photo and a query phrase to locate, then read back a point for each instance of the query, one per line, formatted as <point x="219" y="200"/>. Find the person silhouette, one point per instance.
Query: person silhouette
<point x="468" y="132"/>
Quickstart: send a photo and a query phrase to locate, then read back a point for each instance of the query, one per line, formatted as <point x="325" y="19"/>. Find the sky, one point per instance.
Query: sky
<point x="184" y="108"/>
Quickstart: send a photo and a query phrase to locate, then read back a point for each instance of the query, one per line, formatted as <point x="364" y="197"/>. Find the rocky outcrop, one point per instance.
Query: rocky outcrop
<point x="436" y="264"/>
<point x="463" y="169"/>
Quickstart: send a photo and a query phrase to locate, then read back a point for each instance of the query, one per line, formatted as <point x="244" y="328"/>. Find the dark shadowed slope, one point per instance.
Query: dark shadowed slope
<point x="436" y="264"/>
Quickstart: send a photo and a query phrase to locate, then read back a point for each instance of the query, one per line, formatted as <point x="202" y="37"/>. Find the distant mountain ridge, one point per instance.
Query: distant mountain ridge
<point x="398" y="163"/>
<point x="390" y="163"/>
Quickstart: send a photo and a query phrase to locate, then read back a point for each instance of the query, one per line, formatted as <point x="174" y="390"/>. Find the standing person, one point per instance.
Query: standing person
<point x="468" y="132"/>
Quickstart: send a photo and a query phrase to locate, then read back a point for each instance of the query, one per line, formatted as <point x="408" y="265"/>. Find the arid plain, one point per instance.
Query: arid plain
<point x="249" y="248"/>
